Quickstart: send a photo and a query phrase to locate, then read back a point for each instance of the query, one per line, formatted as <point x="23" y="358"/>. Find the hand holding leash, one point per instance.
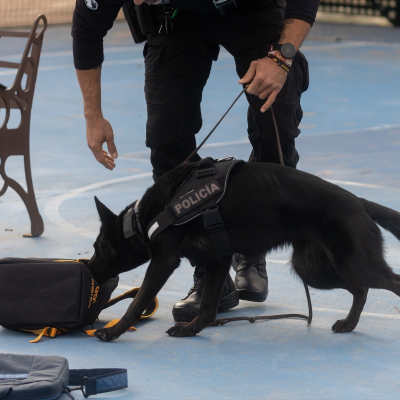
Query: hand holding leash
<point x="265" y="79"/>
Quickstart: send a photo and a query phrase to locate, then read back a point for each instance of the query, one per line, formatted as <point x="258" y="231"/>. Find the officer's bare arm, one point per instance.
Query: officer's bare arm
<point x="266" y="77"/>
<point x="294" y="31"/>
<point x="98" y="129"/>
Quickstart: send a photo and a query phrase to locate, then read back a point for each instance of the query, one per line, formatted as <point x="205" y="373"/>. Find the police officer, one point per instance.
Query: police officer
<point x="263" y="37"/>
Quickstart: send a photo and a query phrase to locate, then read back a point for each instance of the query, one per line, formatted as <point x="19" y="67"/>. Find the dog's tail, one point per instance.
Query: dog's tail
<point x="384" y="216"/>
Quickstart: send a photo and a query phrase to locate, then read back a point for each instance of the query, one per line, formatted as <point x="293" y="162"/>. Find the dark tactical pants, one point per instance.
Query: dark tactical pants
<point x="178" y="66"/>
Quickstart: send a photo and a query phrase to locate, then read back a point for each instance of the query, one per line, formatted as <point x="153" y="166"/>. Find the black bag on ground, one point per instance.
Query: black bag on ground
<point x="51" y="296"/>
<point x="25" y="377"/>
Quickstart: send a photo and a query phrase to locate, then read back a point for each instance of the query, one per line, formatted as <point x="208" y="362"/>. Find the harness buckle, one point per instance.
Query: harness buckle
<point x="212" y="220"/>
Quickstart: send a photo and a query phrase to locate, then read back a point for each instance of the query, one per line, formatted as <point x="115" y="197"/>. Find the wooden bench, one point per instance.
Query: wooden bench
<point x="15" y="141"/>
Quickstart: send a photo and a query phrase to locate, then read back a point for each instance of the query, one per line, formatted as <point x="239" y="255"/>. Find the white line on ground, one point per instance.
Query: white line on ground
<point x="129" y="48"/>
<point x="71" y="67"/>
<point x="378" y="129"/>
<point x="353" y="43"/>
<point x="129" y="157"/>
<point x="67" y="53"/>
<point x="363" y="314"/>
<point x="327" y="47"/>
<point x="223" y="54"/>
<point x="344" y="312"/>
<point x="286" y="306"/>
<point x="51" y="209"/>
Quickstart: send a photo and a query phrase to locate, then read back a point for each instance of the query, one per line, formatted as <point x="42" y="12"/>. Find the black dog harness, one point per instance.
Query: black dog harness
<point x="198" y="196"/>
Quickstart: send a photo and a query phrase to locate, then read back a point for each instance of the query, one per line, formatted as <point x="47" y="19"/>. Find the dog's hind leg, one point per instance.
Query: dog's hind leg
<point x="313" y="265"/>
<point x="216" y="274"/>
<point x="350" y="322"/>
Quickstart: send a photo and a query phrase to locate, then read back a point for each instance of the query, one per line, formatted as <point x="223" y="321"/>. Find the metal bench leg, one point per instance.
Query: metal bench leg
<point x="37" y="226"/>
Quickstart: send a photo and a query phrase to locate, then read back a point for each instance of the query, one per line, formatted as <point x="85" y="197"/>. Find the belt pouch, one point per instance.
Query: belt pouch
<point x="140" y="20"/>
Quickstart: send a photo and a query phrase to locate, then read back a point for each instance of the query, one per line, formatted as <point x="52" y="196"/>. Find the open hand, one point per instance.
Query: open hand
<point x="99" y="131"/>
<point x="267" y="79"/>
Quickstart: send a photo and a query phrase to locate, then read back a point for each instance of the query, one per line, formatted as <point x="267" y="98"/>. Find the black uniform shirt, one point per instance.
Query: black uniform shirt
<point x="89" y="25"/>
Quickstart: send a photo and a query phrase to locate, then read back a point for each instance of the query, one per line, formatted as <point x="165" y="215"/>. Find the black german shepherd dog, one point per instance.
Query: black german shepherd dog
<point x="336" y="243"/>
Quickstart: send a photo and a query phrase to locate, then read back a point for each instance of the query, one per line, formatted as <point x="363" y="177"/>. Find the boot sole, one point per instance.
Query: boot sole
<point x="257" y="297"/>
<point x="188" y="314"/>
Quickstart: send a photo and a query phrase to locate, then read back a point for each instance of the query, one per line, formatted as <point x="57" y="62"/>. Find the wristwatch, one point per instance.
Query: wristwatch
<point x="286" y="49"/>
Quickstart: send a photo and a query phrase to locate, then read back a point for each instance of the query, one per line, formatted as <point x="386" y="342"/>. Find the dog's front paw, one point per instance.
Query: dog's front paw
<point x="343" y="325"/>
<point x="106" y="334"/>
<point x="182" y="329"/>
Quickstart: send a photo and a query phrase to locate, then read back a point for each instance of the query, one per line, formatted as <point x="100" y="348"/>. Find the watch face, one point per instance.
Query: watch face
<point x="288" y="50"/>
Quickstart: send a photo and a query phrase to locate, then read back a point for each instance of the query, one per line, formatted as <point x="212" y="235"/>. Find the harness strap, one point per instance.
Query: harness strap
<point x="163" y="221"/>
<point x="216" y="229"/>
<point x="132" y="228"/>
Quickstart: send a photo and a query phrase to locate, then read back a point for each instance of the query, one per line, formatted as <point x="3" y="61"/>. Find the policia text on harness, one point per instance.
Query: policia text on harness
<point x="200" y="195"/>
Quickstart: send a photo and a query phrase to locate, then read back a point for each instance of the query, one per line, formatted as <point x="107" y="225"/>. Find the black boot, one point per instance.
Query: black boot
<point x="188" y="308"/>
<point x="251" y="279"/>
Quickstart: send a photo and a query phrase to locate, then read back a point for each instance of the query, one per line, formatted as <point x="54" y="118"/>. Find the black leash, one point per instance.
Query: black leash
<point x="224" y="321"/>
<point x="215" y="127"/>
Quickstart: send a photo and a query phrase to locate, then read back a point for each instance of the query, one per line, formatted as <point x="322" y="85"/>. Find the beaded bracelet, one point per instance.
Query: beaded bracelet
<point x="280" y="63"/>
<point x="278" y="54"/>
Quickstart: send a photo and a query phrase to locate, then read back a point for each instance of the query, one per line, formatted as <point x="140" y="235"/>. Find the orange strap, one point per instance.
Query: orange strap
<point x="48" y="331"/>
<point x="54" y="332"/>
<point x="149" y="312"/>
<point x="91" y="332"/>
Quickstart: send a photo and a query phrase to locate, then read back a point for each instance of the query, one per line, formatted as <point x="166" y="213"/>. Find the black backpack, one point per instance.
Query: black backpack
<point x="49" y="297"/>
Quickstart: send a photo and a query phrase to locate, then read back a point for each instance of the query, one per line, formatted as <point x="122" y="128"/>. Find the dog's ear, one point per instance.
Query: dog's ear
<point x="106" y="215"/>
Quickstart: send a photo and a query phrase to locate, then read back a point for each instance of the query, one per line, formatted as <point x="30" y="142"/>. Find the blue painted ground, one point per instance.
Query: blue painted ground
<point x="350" y="135"/>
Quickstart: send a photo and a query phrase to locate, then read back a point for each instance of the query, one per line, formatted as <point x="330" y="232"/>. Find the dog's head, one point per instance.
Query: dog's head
<point x="114" y="253"/>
